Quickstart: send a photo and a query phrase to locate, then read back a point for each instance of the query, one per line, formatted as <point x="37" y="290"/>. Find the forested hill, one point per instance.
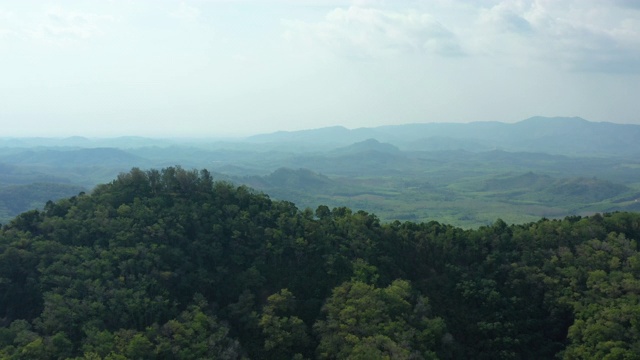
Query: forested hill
<point x="171" y="264"/>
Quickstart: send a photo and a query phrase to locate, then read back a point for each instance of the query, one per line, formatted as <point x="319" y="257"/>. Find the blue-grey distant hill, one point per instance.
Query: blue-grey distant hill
<point x="334" y="136"/>
<point x="122" y="142"/>
<point x="556" y="135"/>
<point x="65" y="157"/>
<point x="369" y="145"/>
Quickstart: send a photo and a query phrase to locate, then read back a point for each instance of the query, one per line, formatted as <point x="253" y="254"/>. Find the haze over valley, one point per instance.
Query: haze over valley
<point x="461" y="174"/>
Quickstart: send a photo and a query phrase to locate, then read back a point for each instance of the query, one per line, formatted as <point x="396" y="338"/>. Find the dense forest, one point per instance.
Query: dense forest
<point x="171" y="264"/>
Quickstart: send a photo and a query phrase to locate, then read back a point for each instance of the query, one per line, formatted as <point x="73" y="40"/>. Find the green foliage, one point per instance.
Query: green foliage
<point x="18" y="198"/>
<point x="170" y="264"/>
<point x="377" y="323"/>
<point x="285" y="334"/>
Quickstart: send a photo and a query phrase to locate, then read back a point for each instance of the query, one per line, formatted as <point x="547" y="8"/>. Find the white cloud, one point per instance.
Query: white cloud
<point x="72" y="24"/>
<point x="222" y="64"/>
<point x="574" y="35"/>
<point x="185" y="12"/>
<point x="364" y="32"/>
<point x="53" y="25"/>
<point x="631" y="4"/>
<point x="9" y="24"/>
<point x="506" y="17"/>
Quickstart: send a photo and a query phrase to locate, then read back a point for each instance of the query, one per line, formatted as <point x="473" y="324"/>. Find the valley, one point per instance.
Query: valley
<point x="466" y="175"/>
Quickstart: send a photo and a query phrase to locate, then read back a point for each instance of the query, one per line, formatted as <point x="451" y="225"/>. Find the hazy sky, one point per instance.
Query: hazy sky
<point x="220" y="67"/>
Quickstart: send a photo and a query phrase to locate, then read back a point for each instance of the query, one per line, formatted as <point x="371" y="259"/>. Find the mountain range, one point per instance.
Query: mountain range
<point x="464" y="174"/>
<point x="554" y="135"/>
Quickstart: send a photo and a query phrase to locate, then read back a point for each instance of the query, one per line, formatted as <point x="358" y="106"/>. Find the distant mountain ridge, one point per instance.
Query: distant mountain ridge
<point x="467" y="174"/>
<point x="72" y="157"/>
<point x="554" y="135"/>
<point x="331" y="135"/>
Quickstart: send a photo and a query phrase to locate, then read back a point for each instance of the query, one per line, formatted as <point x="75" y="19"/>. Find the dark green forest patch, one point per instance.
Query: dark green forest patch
<point x="171" y="264"/>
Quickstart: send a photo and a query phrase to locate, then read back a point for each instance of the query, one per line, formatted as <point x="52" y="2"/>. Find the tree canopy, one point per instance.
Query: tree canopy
<point x="171" y="264"/>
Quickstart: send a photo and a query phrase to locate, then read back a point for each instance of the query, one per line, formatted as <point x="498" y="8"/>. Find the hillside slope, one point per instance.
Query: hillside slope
<point x="172" y="265"/>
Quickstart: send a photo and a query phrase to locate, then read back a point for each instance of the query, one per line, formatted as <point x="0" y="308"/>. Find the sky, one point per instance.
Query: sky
<point x="160" y="68"/>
